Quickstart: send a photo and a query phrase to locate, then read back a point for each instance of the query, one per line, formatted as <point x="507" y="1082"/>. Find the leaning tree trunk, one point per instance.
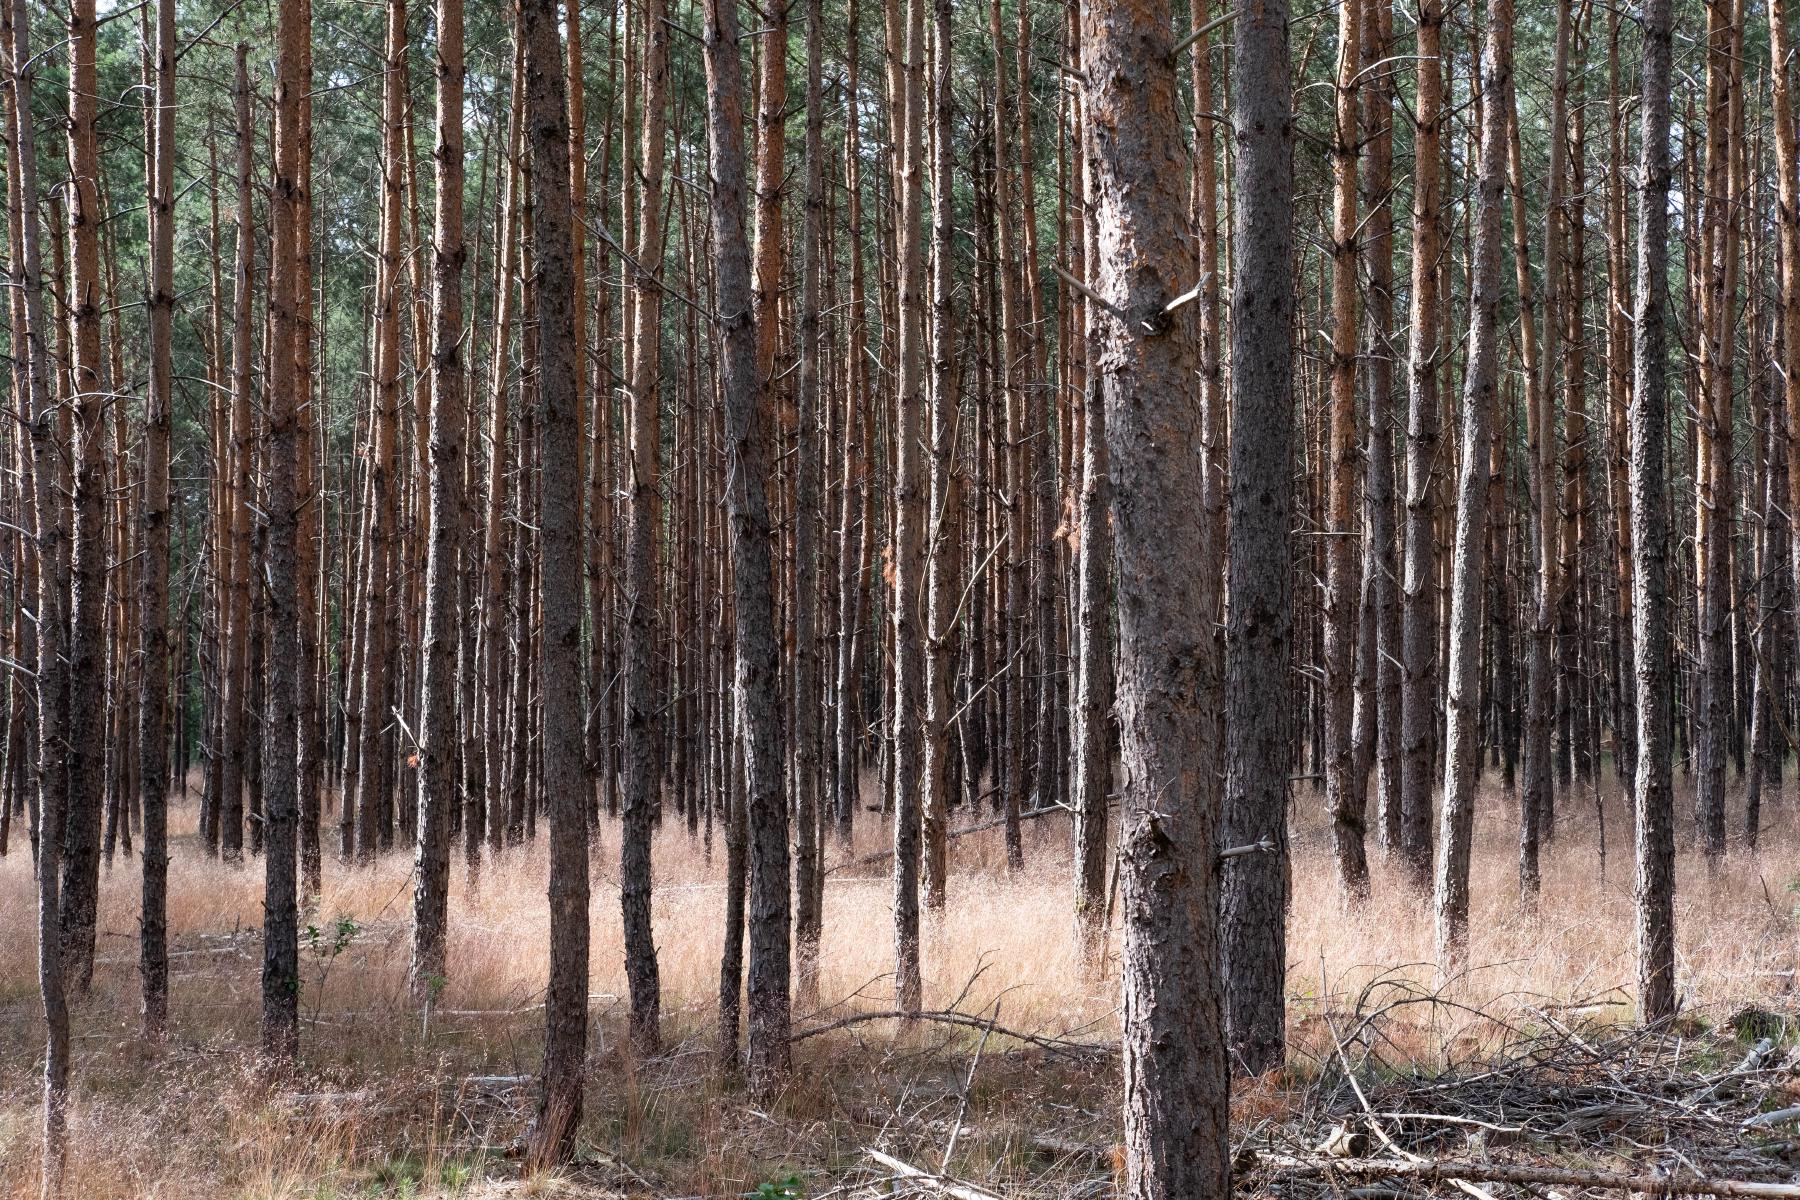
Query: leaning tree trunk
<point x="1176" y="1079"/>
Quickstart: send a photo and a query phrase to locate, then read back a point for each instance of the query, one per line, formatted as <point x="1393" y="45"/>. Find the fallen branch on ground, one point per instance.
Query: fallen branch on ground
<point x="1445" y="1171"/>
<point x="950" y="1016"/>
<point x="949" y="1187"/>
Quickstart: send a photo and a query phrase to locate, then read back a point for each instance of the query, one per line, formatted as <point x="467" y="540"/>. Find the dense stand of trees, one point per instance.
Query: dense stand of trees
<point x="954" y="410"/>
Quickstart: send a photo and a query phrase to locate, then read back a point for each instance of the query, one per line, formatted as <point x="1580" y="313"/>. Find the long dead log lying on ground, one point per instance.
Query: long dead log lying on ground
<point x="1450" y="1171"/>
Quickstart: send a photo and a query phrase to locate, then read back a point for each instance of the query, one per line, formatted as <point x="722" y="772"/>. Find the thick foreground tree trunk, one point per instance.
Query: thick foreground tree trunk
<point x="1176" y="1079"/>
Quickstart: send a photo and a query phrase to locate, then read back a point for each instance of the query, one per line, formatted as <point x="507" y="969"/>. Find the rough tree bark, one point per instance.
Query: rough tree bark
<point x="1176" y="1078"/>
<point x="564" y="786"/>
<point x="1259" y="741"/>
<point x="1655" y="815"/>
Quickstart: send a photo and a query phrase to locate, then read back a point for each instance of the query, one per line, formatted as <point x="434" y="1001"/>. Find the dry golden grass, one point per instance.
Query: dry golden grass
<point x="372" y="1113"/>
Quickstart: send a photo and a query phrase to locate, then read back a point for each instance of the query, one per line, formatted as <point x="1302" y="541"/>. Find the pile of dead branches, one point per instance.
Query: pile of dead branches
<point x="1407" y="1094"/>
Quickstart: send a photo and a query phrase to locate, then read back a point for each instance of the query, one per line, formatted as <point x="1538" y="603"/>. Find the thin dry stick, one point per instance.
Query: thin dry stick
<point x="951" y="1017"/>
<point x="962" y="1105"/>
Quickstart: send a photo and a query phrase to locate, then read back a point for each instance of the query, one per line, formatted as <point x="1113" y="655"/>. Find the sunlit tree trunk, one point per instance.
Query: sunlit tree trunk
<point x="1176" y="1080"/>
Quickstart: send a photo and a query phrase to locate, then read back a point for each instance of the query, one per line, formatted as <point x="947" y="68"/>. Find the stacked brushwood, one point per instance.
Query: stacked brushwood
<point x="1557" y="1101"/>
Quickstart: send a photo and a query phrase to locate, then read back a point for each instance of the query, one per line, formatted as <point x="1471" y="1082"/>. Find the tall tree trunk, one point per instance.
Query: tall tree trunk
<point x="1344" y="792"/>
<point x="1479" y="399"/>
<point x="1259" y="734"/>
<point x="1787" y="175"/>
<point x="52" y="535"/>
<point x="559" y="645"/>
<point x="1377" y="719"/>
<point x="285" y="392"/>
<point x="1713" y="432"/>
<point x="153" y="578"/>
<point x="808" y="868"/>
<point x="1094" y="700"/>
<point x="1540" y="684"/>
<point x="940" y="584"/>
<point x="644" y="516"/>
<point x="855" y="535"/>
<point x="756" y="671"/>
<point x="1655" y="819"/>
<point x="907" y="70"/>
<point x="87" y="712"/>
<point x="1418" y="599"/>
<point x="1176" y="1110"/>
<point x="438" y="726"/>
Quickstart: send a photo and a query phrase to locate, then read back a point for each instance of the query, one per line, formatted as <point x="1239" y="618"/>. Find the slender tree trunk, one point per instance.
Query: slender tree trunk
<point x="1655" y="815"/>
<point x="808" y="868"/>
<point x="644" y="517"/>
<point x="285" y="391"/>
<point x="1377" y="717"/>
<point x="1713" y="512"/>
<point x="940" y="584"/>
<point x="52" y="536"/>
<point x="1344" y="792"/>
<point x="438" y="727"/>
<point x="756" y="673"/>
<point x="1418" y="599"/>
<point x="1480" y="394"/>
<point x="907" y="68"/>
<point x="1094" y="698"/>
<point x="153" y="578"/>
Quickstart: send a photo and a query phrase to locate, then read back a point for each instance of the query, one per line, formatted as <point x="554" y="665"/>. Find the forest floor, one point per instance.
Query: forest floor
<point x="1531" y="1055"/>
